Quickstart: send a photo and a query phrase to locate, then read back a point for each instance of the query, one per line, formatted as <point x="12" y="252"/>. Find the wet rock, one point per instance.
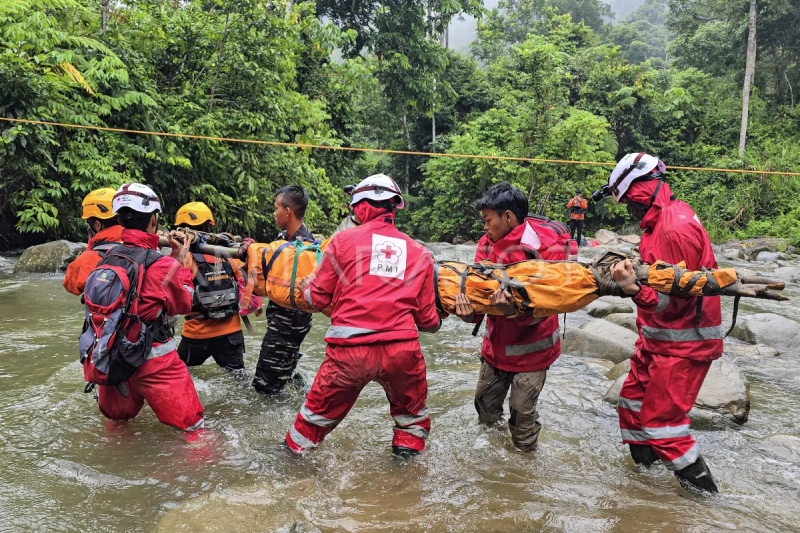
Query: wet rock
<point x="256" y="509"/>
<point x="733" y="254"/>
<point x="791" y="250"/>
<point x="444" y="251"/>
<point x="604" y="236"/>
<point x="459" y="240"/>
<point x="787" y="273"/>
<point x="620" y="369"/>
<point x="752" y="247"/>
<point x="725" y="395"/>
<point x="600" y="309"/>
<point x="785" y="447"/>
<point x="49" y="257"/>
<point x="758" y="350"/>
<point x="626" y="320"/>
<point x="587" y="253"/>
<point x="599" y="339"/>
<point x="770" y="257"/>
<point x="631" y="239"/>
<point x="768" y="328"/>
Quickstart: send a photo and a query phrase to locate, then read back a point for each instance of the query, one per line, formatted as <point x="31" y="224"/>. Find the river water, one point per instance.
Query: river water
<point x="65" y="468"/>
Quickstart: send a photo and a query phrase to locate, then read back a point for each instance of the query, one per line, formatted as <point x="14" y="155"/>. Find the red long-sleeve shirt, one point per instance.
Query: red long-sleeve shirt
<point x="380" y="283"/>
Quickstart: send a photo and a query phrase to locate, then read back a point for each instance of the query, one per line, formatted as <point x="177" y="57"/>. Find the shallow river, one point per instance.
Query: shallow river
<point x="65" y="468"/>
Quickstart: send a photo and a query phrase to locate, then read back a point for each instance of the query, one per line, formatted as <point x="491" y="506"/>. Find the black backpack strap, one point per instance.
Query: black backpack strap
<point x="199" y="258"/>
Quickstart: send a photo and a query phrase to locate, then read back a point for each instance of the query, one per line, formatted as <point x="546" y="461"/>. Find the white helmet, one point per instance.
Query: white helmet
<point x="137" y="197"/>
<point x="378" y="187"/>
<point x="631" y="168"/>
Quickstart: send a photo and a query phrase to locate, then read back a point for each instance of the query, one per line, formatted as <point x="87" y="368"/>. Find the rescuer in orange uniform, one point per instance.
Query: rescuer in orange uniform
<point x="104" y="233"/>
<point x="577" y="207"/>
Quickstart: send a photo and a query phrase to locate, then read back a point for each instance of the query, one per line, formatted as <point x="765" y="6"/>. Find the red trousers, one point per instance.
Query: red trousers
<point x="399" y="368"/>
<point x="168" y="388"/>
<point x="653" y="403"/>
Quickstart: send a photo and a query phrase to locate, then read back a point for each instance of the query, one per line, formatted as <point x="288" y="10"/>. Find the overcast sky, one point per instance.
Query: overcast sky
<point x="462" y="32"/>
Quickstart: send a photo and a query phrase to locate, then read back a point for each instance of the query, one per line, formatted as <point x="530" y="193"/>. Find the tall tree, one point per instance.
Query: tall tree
<point x="749" y="74"/>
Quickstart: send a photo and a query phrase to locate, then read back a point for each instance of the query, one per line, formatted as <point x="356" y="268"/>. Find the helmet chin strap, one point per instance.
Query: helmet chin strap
<point x="655" y="193"/>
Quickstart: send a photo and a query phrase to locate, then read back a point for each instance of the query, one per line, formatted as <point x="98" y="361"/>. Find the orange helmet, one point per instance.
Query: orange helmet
<point x="194" y="214"/>
<point x="98" y="204"/>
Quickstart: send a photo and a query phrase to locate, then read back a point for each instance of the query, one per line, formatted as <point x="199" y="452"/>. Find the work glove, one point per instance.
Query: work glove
<point x="245" y="246"/>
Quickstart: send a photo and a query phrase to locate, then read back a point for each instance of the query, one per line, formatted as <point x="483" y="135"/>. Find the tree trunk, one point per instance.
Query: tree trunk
<point x="749" y="76"/>
<point x="219" y="63"/>
<point x="104" y="14"/>
<point x="433" y="128"/>
<point x="408" y="157"/>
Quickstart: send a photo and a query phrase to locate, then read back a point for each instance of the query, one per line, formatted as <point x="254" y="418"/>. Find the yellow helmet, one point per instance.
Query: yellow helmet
<point x="98" y="204"/>
<point x="194" y="214"/>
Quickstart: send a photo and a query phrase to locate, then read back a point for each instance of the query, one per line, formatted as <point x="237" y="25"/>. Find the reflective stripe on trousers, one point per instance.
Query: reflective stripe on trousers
<point x="684" y="335"/>
<point x="162" y="349"/>
<point x="689" y="458"/>
<point x="300" y="440"/>
<point x="317" y="420"/>
<point x="524" y="349"/>
<point x="403" y="421"/>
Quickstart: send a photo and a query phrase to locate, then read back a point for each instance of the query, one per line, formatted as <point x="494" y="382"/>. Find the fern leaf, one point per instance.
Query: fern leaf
<point x="75" y="75"/>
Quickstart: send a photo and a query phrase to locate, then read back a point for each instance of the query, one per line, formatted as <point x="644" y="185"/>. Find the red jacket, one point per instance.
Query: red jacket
<point x="167" y="287"/>
<point x="673" y="233"/>
<point x="380" y="282"/>
<point x="78" y="271"/>
<point x="521" y="344"/>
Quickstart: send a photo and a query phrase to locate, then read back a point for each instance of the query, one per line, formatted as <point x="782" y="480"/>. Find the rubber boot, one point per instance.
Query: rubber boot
<point x="643" y="455"/>
<point x="402" y="452"/>
<point x="697" y="476"/>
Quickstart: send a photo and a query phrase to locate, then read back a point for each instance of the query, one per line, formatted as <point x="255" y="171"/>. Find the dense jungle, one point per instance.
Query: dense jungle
<point x="561" y="79"/>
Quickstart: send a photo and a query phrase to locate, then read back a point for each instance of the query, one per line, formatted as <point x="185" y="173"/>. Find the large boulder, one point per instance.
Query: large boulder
<point x="599" y="339"/>
<point x="49" y="257"/>
<point x="600" y="308"/>
<point x="770" y="257"/>
<point x="620" y="369"/>
<point x="604" y="236"/>
<point x="768" y="328"/>
<point x="631" y="239"/>
<point x="444" y="251"/>
<point x="756" y="351"/>
<point x="752" y="247"/>
<point x="787" y="273"/>
<point x="626" y="320"/>
<point x="733" y="254"/>
<point x="725" y="394"/>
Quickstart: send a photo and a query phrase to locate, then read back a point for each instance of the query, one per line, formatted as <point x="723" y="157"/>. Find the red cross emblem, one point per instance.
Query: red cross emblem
<point x="388" y="252"/>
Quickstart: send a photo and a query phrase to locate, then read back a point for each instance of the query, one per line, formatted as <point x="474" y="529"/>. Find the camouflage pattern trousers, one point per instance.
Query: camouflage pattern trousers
<point x="280" y="349"/>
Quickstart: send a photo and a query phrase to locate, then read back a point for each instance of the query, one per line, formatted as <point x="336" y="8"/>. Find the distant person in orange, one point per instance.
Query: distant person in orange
<point x="577" y="207"/>
<point x="104" y="233"/>
<point x="212" y="329"/>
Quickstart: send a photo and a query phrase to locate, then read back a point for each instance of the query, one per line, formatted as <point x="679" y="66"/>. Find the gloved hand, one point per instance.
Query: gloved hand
<point x="243" y="250"/>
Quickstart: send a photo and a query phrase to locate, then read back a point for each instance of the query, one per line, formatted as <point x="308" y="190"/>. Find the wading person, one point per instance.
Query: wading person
<point x="104" y="233"/>
<point x="517" y="349"/>
<point x="286" y="328"/>
<point x="679" y="335"/>
<point x="380" y="283"/>
<point x="213" y="328"/>
<point x="577" y="207"/>
<point x="165" y="291"/>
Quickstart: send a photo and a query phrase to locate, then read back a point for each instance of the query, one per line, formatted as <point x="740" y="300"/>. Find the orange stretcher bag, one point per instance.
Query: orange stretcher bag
<point x="275" y="270"/>
<point x="542" y="287"/>
<point x="677" y="279"/>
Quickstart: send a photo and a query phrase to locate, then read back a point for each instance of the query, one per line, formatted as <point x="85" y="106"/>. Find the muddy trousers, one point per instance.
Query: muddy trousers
<point x="280" y="349"/>
<point x="397" y="366"/>
<point x="490" y="394"/>
<point x="168" y="388"/>
<point x="655" y="398"/>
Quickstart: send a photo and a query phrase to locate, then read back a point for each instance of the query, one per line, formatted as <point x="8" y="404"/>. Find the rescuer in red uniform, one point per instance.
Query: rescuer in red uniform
<point x="679" y="336"/>
<point x="380" y="284"/>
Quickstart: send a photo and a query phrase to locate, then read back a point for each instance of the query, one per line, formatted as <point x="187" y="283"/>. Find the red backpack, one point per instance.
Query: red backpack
<point x="115" y="342"/>
<point x="564" y="236"/>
